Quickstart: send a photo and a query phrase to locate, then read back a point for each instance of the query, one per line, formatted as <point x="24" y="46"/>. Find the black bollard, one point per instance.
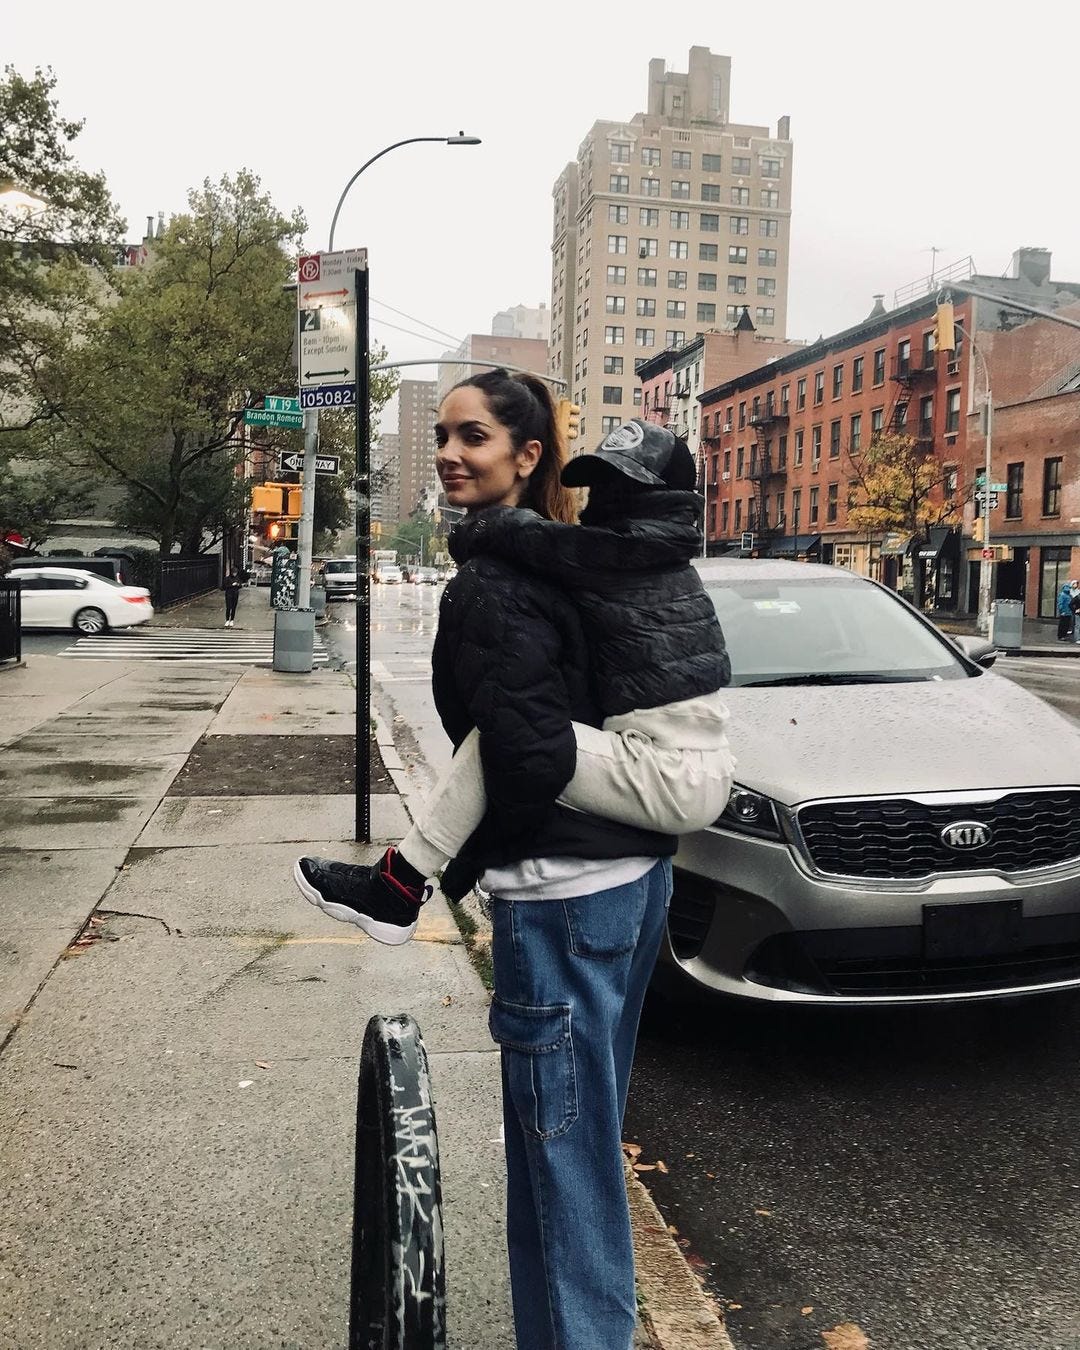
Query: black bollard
<point x="398" y="1287"/>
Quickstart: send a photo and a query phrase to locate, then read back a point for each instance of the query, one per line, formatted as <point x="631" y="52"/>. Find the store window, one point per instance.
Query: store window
<point x="1054" y="572"/>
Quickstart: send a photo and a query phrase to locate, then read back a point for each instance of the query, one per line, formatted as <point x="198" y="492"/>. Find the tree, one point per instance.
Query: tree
<point x="154" y="398"/>
<point x="895" y="486"/>
<point x="55" y="263"/>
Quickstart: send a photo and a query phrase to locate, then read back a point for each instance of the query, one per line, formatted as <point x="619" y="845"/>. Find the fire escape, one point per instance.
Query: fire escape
<point x="767" y="471"/>
<point x="911" y="374"/>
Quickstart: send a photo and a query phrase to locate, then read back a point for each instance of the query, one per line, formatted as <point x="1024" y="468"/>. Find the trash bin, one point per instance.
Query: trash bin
<point x="294" y="639"/>
<point x="1007" y="624"/>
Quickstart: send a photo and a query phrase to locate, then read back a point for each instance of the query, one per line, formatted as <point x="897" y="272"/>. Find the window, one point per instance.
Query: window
<point x="709" y="222"/>
<point x="710" y="164"/>
<point x="857" y="375"/>
<point x="618" y="182"/>
<point x="800" y="393"/>
<point x="612" y="393"/>
<point x="710" y="192"/>
<point x="928" y="349"/>
<point x="856" y="433"/>
<point x="678" y="248"/>
<point x="766" y="285"/>
<point x="637" y="396"/>
<point x="785" y="398"/>
<point x="738" y="517"/>
<point x="680" y="159"/>
<point x="680" y="188"/>
<point x="1014" y="496"/>
<point x="900" y="416"/>
<point x="727" y="460"/>
<point x="706" y="313"/>
<point x="879" y="366"/>
<point x="740" y="165"/>
<point x="765" y="315"/>
<point x="767" y="228"/>
<point x="615" y="304"/>
<point x="926" y="416"/>
<point x="798" y="451"/>
<point x="650" y="187"/>
<point x="616" y="243"/>
<point x="724" y="515"/>
<point x="766" y="257"/>
<point x="608" y="424"/>
<point x="832" y="502"/>
<point x="733" y="313"/>
<point x="1054" y="572"/>
<point x="616" y="276"/>
<point x="706" y="281"/>
<point x="903" y="357"/>
<point x="736" y="285"/>
<point x="1051" y="503"/>
<point x="815" y="444"/>
<point x="646" y="276"/>
<point x="613" y="365"/>
<point x="649" y="216"/>
<point x="952" y="412"/>
<point x="736" y="254"/>
<point x="707" y="253"/>
<point x="648" y="248"/>
<point x="742" y="416"/>
<point x="677" y="281"/>
<point x="740" y="458"/>
<point x="740" y="196"/>
<point x="674" y="338"/>
<point x="618" y="215"/>
<point x="614" y="336"/>
<point x="650" y="155"/>
<point x="620" y="152"/>
<point x="819" y="387"/>
<point x="769" y="198"/>
<point x="645" y="337"/>
<point x="646" y="308"/>
<point x="834" y="439"/>
<point x="814" y="505"/>
<point x="676" y="309"/>
<point x="770" y="168"/>
<point x="739" y="224"/>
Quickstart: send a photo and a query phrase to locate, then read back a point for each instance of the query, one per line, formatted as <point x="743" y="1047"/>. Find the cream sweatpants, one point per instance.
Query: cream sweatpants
<point x="667" y="769"/>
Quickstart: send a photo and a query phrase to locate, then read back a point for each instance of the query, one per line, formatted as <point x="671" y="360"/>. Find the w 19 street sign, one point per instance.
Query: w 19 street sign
<point x="294" y="463"/>
<point x="275" y="412"/>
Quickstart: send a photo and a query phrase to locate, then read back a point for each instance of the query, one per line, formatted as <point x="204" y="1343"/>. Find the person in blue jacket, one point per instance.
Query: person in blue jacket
<point x="1064" y="611"/>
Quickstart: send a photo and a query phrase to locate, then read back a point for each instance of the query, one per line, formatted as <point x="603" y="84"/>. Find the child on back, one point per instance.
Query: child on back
<point x="661" y="760"/>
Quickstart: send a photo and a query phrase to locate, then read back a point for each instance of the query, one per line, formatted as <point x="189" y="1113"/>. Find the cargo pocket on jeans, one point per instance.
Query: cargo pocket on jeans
<point x="538" y="1052"/>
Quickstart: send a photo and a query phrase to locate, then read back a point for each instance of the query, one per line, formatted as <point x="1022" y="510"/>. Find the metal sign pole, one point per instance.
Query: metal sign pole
<point x="363" y="563"/>
<point x="307" y="507"/>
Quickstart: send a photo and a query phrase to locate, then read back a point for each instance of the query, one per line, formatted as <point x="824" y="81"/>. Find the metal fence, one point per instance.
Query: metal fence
<point x="181" y="578"/>
<point x="10" y="621"/>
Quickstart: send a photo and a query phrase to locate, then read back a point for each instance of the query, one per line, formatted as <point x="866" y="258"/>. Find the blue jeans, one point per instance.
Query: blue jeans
<point x="570" y="978"/>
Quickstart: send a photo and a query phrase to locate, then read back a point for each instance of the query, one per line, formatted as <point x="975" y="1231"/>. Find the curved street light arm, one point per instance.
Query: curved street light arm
<point x="411" y="140"/>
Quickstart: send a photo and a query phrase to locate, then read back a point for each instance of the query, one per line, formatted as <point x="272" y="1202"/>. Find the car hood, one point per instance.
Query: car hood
<point x="798" y="743"/>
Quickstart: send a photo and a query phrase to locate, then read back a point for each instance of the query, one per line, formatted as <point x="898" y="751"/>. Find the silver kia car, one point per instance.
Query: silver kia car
<point x="905" y="825"/>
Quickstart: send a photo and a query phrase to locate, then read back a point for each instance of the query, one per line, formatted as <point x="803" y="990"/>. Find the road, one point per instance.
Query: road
<point x="911" y="1173"/>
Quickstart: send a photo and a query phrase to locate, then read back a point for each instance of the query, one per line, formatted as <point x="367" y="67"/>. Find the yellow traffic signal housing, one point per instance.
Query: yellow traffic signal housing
<point x="295" y="498"/>
<point x="945" y="328"/>
<point x="266" y="498"/>
<point x="978" y="533"/>
<point x="568" y="419"/>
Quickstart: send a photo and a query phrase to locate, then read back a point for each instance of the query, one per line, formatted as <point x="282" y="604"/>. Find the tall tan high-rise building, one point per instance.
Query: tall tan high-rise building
<point x="665" y="226"/>
<point x="417" y="481"/>
<point x="385" y="484"/>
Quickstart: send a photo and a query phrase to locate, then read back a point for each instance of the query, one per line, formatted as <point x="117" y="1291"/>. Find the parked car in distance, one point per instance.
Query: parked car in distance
<point x="388" y="573"/>
<point x="61" y="597"/>
<point x="339" y="577"/>
<point x="427" y="576"/>
<point x="904" y="825"/>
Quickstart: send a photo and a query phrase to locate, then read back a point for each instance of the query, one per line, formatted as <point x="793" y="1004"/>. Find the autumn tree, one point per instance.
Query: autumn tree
<point x="896" y="486"/>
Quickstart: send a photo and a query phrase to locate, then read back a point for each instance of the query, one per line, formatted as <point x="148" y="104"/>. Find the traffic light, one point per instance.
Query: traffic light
<point x="273" y="531"/>
<point x="978" y="533"/>
<point x="295" y="502"/>
<point x="568" y="419"/>
<point x="945" y="328"/>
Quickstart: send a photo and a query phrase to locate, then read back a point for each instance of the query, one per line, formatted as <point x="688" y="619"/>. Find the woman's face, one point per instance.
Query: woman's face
<point x="475" y="457"/>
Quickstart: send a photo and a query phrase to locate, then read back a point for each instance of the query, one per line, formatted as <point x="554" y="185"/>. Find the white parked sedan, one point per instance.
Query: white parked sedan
<point x="66" y="597"/>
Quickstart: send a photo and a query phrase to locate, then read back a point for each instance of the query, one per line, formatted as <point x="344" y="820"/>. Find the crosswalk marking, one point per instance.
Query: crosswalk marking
<point x="207" y="646"/>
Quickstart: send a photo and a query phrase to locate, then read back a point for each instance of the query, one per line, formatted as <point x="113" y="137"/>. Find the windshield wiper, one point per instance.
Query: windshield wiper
<point x="840" y="677"/>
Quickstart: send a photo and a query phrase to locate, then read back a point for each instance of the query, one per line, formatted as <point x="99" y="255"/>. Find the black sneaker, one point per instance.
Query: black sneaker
<point x="368" y="897"/>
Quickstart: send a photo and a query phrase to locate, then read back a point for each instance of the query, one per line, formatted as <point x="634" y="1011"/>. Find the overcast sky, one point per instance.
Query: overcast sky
<point x="915" y="125"/>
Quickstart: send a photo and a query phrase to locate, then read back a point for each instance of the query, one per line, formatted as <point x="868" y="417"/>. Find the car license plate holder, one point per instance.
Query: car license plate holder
<point x="979" y="928"/>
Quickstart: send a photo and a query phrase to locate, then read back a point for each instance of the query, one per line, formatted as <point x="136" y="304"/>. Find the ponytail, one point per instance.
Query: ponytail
<point x="523" y="404"/>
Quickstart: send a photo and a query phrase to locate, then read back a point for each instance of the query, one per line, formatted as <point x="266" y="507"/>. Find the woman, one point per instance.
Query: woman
<point x="232" y="596"/>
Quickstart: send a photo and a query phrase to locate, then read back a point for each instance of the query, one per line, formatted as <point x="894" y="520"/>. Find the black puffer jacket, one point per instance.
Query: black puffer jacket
<point x="510" y="658"/>
<point x="652" y="631"/>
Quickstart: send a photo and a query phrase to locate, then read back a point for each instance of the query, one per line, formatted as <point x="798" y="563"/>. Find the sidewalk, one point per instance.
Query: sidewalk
<point x="1039" y="636"/>
<point x="179" y="1030"/>
<point x="253" y="611"/>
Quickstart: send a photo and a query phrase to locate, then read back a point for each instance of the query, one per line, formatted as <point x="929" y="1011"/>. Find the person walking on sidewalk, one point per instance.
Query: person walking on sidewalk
<point x="1064" y="612"/>
<point x="232" y="596"/>
<point x="1074" y="609"/>
<point x="579" y="902"/>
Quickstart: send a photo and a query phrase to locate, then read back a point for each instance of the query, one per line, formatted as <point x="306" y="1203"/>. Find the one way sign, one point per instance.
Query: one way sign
<point x="294" y="463"/>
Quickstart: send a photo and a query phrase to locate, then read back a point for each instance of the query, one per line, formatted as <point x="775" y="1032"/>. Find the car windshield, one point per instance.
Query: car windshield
<point x="344" y="566"/>
<point x="824" y="630"/>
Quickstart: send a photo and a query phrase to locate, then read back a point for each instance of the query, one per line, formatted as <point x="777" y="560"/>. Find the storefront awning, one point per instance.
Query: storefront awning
<point x="929" y="552"/>
<point x="795" y="543"/>
<point x="895" y="545"/>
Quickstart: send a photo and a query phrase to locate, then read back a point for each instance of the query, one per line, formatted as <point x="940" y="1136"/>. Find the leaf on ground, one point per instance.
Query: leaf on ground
<point x="631" y="1150"/>
<point x="711" y="1176"/>
<point x="695" y="1262"/>
<point x="263" y="1064"/>
<point x="846" y="1336"/>
<point x="448" y="1000"/>
<point x="661" y="1166"/>
<point x="807" y="1310"/>
<point x="644" y="1167"/>
<point x="765" y="1213"/>
<point x="734" y="1307"/>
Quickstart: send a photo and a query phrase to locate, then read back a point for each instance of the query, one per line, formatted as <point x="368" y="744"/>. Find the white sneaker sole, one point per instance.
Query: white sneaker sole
<point x="391" y="934"/>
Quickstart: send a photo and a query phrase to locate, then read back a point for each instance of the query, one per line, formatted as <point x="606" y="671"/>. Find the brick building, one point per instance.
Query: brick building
<point x="779" y="441"/>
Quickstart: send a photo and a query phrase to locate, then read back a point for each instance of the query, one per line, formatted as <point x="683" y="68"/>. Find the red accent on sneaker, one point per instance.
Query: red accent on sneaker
<point x="406" y="892"/>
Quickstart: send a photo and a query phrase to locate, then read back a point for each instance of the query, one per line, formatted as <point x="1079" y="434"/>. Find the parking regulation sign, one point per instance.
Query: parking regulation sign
<point x="326" y="322"/>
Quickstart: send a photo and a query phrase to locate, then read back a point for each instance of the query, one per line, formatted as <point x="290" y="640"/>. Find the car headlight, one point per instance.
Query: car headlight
<point x="749" y="813"/>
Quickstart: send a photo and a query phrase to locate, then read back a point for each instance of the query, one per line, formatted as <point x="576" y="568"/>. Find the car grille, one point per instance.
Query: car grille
<point x="693" y="902"/>
<point x="901" y="838"/>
